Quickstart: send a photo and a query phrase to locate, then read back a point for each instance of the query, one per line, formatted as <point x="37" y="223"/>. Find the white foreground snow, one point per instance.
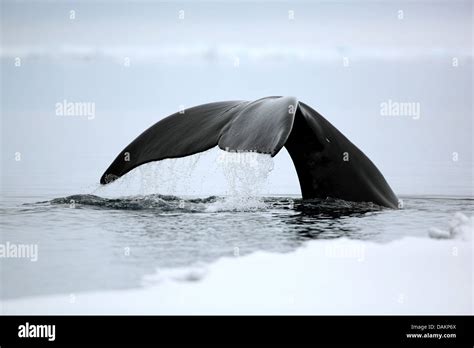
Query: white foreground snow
<point x="411" y="275"/>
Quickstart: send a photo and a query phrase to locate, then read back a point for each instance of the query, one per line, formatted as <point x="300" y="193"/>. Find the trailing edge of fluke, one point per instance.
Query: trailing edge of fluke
<point x="327" y="163"/>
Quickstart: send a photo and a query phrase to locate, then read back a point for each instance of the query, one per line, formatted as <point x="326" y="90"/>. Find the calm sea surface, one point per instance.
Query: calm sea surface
<point x="88" y="243"/>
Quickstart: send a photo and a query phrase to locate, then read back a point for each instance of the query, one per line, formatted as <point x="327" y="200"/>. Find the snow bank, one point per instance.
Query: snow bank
<point x="411" y="275"/>
<point x="460" y="226"/>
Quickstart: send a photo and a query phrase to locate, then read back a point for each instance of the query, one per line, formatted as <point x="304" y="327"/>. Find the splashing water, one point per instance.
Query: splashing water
<point x="246" y="174"/>
<point x="173" y="176"/>
<point x="238" y="177"/>
<point x="164" y="176"/>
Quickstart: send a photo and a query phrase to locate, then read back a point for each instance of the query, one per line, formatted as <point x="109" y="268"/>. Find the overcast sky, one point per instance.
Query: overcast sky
<point x="188" y="53"/>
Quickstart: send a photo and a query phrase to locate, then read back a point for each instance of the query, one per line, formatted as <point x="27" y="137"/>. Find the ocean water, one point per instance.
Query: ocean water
<point x="112" y="239"/>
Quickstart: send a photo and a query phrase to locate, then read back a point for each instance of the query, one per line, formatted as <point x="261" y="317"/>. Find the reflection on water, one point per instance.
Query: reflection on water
<point x="88" y="243"/>
<point x="308" y="219"/>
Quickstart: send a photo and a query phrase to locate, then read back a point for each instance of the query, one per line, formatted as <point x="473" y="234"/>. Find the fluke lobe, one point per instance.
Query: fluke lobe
<point x="327" y="163"/>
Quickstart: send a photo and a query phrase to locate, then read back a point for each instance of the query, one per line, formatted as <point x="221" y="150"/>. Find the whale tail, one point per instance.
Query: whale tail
<point x="326" y="162"/>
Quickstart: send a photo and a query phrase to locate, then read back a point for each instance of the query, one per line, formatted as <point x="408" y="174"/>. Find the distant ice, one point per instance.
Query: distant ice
<point x="224" y="53"/>
<point x="407" y="276"/>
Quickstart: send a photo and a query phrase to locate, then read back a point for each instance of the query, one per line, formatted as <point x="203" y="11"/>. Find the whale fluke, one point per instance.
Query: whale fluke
<point x="327" y="163"/>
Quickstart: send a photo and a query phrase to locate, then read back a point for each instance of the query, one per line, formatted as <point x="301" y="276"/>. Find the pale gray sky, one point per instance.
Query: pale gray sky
<point x="345" y="59"/>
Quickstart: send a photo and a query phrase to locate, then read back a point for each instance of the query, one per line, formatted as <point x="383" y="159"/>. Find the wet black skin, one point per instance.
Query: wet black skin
<point x="327" y="163"/>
